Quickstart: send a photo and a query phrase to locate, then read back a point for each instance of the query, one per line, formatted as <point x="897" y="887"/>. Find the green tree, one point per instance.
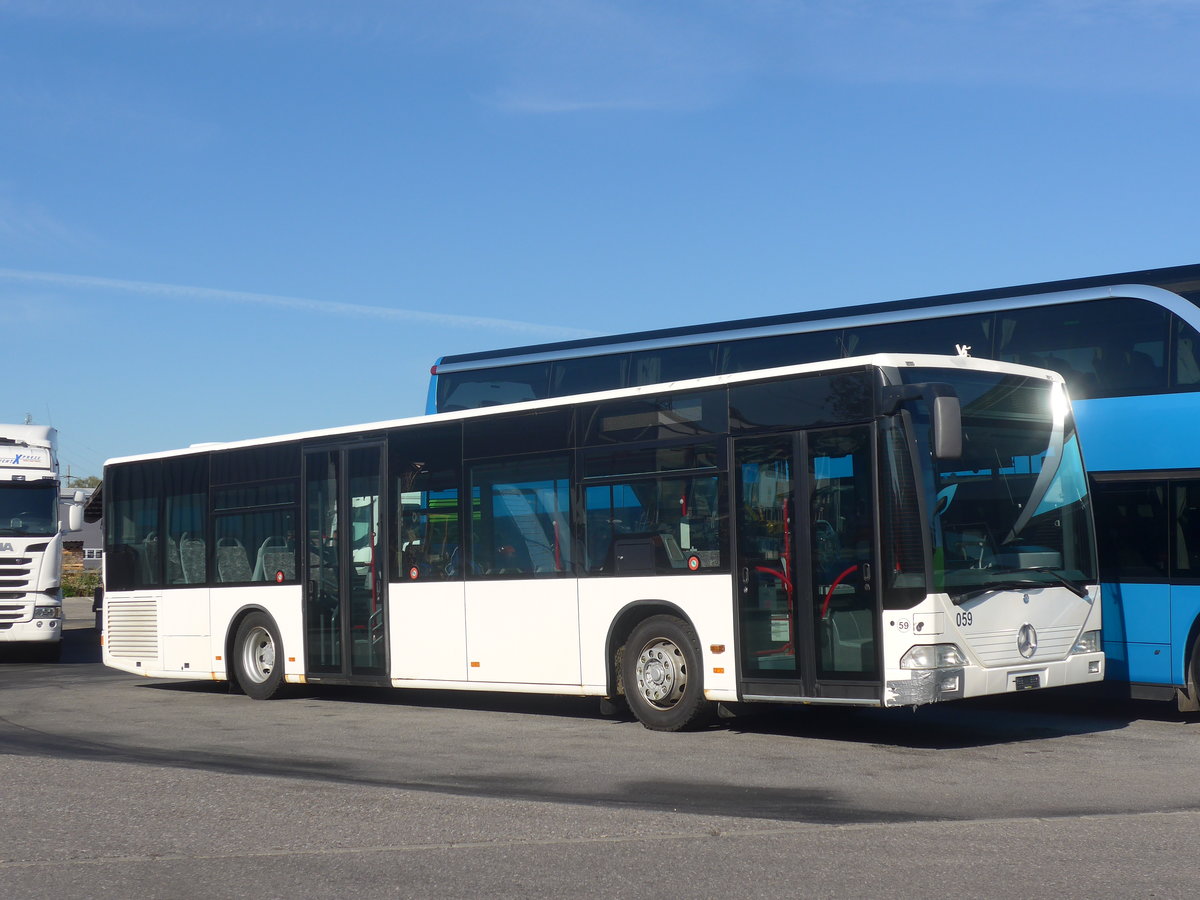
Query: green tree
<point x="88" y="481"/>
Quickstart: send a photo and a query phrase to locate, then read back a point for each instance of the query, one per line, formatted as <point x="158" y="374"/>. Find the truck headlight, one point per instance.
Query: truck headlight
<point x="933" y="656"/>
<point x="47" y="612"/>
<point x="1089" y="642"/>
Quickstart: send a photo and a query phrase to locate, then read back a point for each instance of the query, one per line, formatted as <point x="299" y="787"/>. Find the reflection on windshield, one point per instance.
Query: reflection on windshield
<point x="28" y="508"/>
<point x="1013" y="511"/>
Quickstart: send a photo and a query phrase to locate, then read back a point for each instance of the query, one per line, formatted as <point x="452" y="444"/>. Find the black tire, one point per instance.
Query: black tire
<point x="258" y="657"/>
<point x="1192" y="702"/>
<point x="663" y="675"/>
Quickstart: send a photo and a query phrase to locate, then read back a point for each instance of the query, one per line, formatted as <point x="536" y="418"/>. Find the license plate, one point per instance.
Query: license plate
<point x="1028" y="682"/>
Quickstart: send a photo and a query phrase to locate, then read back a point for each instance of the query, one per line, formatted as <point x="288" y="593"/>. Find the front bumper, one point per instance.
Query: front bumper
<point x="34" y="631"/>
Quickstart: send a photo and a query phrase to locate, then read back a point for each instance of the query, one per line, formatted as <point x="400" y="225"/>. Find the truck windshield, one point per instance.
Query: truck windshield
<point x="28" y="508"/>
<point x="1014" y="511"/>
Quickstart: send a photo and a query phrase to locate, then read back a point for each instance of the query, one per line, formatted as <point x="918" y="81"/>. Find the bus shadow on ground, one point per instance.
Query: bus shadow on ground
<point x="482" y="701"/>
<point x="962" y="724"/>
<point x="1005" y="719"/>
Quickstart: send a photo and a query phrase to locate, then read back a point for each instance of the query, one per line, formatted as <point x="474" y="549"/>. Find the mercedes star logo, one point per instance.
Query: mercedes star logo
<point x="1027" y="640"/>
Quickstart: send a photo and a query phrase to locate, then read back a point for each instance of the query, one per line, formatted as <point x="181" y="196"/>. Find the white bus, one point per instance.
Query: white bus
<point x="31" y="611"/>
<point x="892" y="530"/>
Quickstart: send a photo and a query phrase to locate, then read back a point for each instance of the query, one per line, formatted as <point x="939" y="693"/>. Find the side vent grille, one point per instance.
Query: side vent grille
<point x="131" y="628"/>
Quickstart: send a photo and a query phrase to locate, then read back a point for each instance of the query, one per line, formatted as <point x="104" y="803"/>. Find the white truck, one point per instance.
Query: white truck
<point x="31" y="540"/>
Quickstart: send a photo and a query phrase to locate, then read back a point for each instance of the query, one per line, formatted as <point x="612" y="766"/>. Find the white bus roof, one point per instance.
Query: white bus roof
<point x="878" y="360"/>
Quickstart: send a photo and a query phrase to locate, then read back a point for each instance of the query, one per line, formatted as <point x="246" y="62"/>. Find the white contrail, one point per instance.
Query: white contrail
<point x="187" y="292"/>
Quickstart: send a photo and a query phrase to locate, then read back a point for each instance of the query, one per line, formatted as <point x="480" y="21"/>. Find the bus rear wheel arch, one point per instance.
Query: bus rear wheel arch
<point x="257" y="656"/>
<point x="1188" y="699"/>
<point x="663" y="676"/>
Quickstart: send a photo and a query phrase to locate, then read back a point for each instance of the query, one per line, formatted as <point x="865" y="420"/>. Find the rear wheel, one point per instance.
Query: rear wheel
<point x="1190" y="701"/>
<point x="258" y="657"/>
<point x="662" y="674"/>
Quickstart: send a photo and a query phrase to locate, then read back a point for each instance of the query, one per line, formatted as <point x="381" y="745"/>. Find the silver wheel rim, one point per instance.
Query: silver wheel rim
<point x="661" y="673"/>
<point x="258" y="654"/>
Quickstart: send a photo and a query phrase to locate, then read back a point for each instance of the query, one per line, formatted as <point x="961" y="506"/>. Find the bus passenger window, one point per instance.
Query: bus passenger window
<point x="426" y="543"/>
<point x="654" y="525"/>
<point x="1131" y="530"/>
<point x="523" y="522"/>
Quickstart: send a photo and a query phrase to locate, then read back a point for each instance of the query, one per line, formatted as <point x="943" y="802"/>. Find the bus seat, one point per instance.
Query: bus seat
<point x="274" y="555"/>
<point x="233" y="565"/>
<point x="849" y="641"/>
<point x="149" y="557"/>
<point x="191" y="558"/>
<point x="174" y="564"/>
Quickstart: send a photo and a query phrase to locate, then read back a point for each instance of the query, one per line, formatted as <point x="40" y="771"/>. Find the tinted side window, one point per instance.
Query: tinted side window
<point x="185" y="514"/>
<point x="588" y="374"/>
<point x="1186" y="369"/>
<point x="1185" y="503"/>
<point x="672" y="364"/>
<point x="654" y="418"/>
<point x="255" y="545"/>
<point x="926" y="336"/>
<point x="1103" y="348"/>
<point x="255" y="499"/>
<point x="256" y="464"/>
<point x="522" y="526"/>
<point x="132" y="527"/>
<point x="1131" y="530"/>
<point x="426" y="464"/>
<point x="801" y="402"/>
<point x="623" y="459"/>
<point x="527" y="432"/>
<point x="492" y="387"/>
<point x="778" y="350"/>
<point x="663" y="525"/>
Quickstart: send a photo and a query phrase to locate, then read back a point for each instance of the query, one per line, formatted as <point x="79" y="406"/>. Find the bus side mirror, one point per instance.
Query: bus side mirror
<point x="947" y="427"/>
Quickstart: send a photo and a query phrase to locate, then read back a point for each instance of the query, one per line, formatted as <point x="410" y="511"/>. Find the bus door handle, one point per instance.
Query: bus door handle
<point x="865" y="569"/>
<point x="745" y="579"/>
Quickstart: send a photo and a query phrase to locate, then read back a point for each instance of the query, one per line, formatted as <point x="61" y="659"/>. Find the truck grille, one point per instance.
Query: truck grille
<point x="14" y="612"/>
<point x="131" y="628"/>
<point x="14" y="571"/>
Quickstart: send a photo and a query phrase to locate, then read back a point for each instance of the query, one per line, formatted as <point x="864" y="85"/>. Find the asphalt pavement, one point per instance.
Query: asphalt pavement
<point x="120" y="786"/>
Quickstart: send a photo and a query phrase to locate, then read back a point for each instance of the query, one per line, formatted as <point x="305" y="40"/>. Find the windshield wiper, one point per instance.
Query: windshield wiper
<point x="1073" y="586"/>
<point x="1010" y="585"/>
<point x="1014" y="584"/>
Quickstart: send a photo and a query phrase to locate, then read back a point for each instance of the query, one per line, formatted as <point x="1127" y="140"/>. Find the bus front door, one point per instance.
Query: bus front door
<point x="345" y="580"/>
<point x="806" y="599"/>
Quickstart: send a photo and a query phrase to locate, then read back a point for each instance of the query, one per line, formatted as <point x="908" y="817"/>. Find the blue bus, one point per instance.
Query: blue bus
<point x="1128" y="346"/>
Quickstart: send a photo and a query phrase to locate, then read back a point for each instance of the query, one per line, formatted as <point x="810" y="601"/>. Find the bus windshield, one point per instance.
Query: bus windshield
<point x="1011" y="512"/>
<point x="28" y="508"/>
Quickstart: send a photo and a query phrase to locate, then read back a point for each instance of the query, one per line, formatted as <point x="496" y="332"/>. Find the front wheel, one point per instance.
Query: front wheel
<point x="662" y="673"/>
<point x="258" y="657"/>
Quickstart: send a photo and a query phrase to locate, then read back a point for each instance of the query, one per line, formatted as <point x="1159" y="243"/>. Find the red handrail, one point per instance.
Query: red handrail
<point x="833" y="587"/>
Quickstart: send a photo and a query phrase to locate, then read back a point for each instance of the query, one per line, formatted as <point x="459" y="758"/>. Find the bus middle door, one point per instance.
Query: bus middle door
<point x="345" y="580"/>
<point x="806" y="599"/>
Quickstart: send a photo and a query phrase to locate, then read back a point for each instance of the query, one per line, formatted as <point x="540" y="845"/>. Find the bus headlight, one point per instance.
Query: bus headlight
<point x="47" y="612"/>
<point x="933" y="656"/>
<point x="1089" y="642"/>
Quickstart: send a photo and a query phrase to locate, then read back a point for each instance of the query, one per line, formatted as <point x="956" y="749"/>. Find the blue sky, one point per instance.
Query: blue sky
<point x="231" y="218"/>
